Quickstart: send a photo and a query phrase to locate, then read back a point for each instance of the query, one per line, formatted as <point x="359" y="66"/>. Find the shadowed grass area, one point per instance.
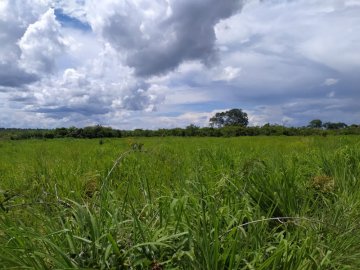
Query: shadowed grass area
<point x="181" y="203"/>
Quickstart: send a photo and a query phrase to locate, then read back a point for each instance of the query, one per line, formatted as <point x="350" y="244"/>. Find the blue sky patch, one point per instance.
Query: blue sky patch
<point x="69" y="21"/>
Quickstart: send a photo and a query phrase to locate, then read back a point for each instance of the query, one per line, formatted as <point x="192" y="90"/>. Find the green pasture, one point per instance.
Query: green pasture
<point x="180" y="203"/>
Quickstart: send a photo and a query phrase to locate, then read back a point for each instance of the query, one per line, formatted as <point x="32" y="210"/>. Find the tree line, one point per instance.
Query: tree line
<point x="231" y="123"/>
<point x="190" y="131"/>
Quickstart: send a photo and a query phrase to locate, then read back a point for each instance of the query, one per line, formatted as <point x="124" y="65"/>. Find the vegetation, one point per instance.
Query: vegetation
<point x="230" y="123"/>
<point x="180" y="203"/>
<point x="191" y="130"/>
<point x="234" y="117"/>
<point x="316" y="123"/>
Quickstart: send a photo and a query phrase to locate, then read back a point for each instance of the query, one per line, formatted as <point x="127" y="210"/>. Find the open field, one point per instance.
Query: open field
<point x="181" y="203"/>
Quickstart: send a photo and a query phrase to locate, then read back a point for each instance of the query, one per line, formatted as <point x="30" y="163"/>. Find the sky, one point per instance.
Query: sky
<point x="171" y="63"/>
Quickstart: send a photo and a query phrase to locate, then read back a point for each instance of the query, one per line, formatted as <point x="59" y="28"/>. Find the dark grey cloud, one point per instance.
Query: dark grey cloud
<point x="22" y="97"/>
<point x="123" y="31"/>
<point x="187" y="34"/>
<point x="12" y="77"/>
<point x="137" y="100"/>
<point x="63" y="111"/>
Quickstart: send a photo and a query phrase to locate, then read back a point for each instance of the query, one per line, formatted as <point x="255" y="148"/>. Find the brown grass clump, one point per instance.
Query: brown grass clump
<point x="323" y="183"/>
<point x="156" y="266"/>
<point x="91" y="186"/>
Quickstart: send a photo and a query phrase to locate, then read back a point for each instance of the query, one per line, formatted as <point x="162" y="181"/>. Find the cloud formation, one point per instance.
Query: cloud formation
<point x="157" y="38"/>
<point x="167" y="63"/>
<point x="15" y="17"/>
<point x="41" y="44"/>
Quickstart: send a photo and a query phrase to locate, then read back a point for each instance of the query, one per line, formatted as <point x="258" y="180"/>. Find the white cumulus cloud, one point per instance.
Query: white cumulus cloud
<point x="41" y="45"/>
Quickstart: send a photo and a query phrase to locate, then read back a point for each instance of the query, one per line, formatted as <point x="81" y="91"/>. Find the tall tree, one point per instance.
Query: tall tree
<point x="316" y="123"/>
<point x="234" y="117"/>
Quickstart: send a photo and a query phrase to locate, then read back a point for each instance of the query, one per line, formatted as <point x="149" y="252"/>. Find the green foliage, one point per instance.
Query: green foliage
<point x="339" y="125"/>
<point x="228" y="129"/>
<point x="233" y="117"/>
<point x="316" y="123"/>
<point x="181" y="203"/>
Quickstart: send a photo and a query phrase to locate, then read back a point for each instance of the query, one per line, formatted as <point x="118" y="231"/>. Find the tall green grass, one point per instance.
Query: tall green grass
<point x="181" y="203"/>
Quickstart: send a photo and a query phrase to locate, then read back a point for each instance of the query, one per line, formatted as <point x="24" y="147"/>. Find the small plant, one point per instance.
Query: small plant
<point x="134" y="145"/>
<point x="137" y="146"/>
<point x="6" y="197"/>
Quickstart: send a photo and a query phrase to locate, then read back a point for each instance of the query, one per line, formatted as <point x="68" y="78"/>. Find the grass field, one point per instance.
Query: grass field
<point x="181" y="203"/>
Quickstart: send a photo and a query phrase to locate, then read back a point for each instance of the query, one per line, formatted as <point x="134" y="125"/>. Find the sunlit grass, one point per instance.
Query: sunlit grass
<point x="181" y="203"/>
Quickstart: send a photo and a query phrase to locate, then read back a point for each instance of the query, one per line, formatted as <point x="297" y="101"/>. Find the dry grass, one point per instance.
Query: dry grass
<point x="323" y="183"/>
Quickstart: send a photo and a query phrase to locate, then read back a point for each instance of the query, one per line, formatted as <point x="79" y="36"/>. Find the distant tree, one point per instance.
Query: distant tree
<point x="138" y="132"/>
<point x="316" y="123"/>
<point x="330" y="125"/>
<point x="191" y="130"/>
<point x="272" y="129"/>
<point x="60" y="132"/>
<point x="234" y="117"/>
